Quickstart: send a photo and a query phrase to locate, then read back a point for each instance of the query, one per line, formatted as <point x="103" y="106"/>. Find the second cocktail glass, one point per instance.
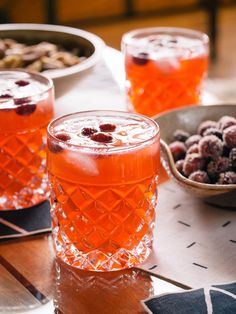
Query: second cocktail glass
<point x="103" y="168"/>
<point x="26" y="107"/>
<point x="164" y="68"/>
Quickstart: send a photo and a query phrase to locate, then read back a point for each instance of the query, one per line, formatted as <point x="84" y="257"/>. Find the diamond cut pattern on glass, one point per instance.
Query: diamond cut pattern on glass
<point x="22" y="168"/>
<point x="107" y="228"/>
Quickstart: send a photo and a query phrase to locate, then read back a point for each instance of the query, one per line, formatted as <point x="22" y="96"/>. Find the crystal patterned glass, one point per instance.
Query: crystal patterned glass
<point x="165" y="68"/>
<point x="103" y="170"/>
<point x="26" y="107"/>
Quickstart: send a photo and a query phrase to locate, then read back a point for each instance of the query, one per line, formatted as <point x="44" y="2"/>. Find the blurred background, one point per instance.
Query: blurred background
<point x="110" y="19"/>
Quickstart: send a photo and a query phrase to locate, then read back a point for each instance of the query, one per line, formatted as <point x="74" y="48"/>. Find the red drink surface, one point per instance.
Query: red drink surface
<point x="103" y="194"/>
<point x="26" y="107"/>
<point x="164" y="72"/>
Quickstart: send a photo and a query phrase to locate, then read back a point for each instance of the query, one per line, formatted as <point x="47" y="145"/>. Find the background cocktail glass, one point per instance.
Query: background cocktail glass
<point x="103" y="168"/>
<point x="26" y="107"/>
<point x="165" y="68"/>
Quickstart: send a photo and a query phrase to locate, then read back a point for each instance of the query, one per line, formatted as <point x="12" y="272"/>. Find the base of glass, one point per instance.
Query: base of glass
<point x="97" y="260"/>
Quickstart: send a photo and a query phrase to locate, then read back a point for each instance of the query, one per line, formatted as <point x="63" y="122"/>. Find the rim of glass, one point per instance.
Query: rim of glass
<point x="128" y="38"/>
<point x="46" y="81"/>
<point x="101" y="113"/>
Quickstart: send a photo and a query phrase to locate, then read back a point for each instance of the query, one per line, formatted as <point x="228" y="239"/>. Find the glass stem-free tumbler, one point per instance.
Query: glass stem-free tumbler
<point x="103" y="169"/>
<point x="165" y="68"/>
<point x="26" y="107"/>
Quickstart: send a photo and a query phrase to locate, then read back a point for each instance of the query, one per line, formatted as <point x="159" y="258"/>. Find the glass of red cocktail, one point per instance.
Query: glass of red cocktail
<point x="165" y="68"/>
<point x="26" y="107"/>
<point x="103" y="168"/>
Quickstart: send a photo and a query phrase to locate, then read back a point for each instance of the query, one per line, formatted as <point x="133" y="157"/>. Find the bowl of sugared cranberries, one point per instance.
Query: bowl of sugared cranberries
<point x="62" y="53"/>
<point x="198" y="150"/>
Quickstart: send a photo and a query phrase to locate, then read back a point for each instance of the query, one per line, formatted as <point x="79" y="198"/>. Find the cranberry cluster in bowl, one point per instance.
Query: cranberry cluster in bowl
<point x="189" y="119"/>
<point x="209" y="155"/>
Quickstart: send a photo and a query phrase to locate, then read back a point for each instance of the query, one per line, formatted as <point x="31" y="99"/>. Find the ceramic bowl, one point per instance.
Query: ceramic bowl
<point x="67" y="37"/>
<point x="188" y="118"/>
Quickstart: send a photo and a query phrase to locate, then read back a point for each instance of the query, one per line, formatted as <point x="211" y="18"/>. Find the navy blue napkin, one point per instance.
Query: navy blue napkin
<point x="218" y="299"/>
<point x="24" y="222"/>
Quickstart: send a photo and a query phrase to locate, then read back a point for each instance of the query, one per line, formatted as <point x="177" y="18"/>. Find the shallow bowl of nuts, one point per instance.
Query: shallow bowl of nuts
<point x="64" y="54"/>
<point x="198" y="148"/>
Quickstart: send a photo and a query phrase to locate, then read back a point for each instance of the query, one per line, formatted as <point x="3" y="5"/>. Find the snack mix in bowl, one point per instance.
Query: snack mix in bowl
<point x="38" y="57"/>
<point x="63" y="54"/>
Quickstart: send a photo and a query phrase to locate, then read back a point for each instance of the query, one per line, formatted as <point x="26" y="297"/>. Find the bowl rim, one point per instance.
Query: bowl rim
<point x="95" y="40"/>
<point x="193" y="107"/>
<point x="170" y="159"/>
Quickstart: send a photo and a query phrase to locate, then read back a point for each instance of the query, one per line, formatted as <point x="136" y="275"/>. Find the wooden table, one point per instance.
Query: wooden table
<point x="30" y="275"/>
<point x="30" y="278"/>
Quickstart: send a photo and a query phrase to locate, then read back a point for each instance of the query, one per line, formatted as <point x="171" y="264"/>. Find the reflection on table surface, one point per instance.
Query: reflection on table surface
<point x="78" y="291"/>
<point x="96" y="292"/>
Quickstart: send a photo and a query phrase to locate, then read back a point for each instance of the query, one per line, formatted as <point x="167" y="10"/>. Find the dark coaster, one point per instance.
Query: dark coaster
<point x="24" y="222"/>
<point x="218" y="299"/>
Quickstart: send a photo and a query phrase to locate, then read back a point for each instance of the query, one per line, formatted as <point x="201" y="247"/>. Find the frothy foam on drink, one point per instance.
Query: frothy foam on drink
<point x="167" y="47"/>
<point x="18" y="85"/>
<point x="125" y="132"/>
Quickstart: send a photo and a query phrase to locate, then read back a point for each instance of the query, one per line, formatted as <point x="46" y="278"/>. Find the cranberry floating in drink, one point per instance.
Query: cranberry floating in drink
<point x="164" y="67"/>
<point x="26" y="107"/>
<point x="103" y="178"/>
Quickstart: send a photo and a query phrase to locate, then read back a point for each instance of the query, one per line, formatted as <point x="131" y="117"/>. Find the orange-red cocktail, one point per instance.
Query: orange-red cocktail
<point x="26" y="107"/>
<point x="165" y="68"/>
<point x="103" y="169"/>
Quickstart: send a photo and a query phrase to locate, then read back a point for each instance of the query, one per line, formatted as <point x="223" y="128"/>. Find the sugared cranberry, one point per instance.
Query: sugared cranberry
<point x="179" y="165"/>
<point x="6" y="96"/>
<point x="178" y="150"/>
<point x="63" y="137"/>
<point x="107" y="127"/>
<point x="193" y="149"/>
<point x="206" y="125"/>
<point x="21" y="101"/>
<point x="229" y="136"/>
<point x="210" y="146"/>
<point x="215" y="167"/>
<point x="101" y="138"/>
<point x="193" y="139"/>
<point x="53" y="146"/>
<point x="180" y="135"/>
<point x="232" y="157"/>
<point x="88" y="131"/>
<point x="199" y="176"/>
<point x="141" y="58"/>
<point x="25" y="110"/>
<point x="192" y="163"/>
<point x="226" y="121"/>
<point x="213" y="131"/>
<point x="228" y="177"/>
<point x="21" y="83"/>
